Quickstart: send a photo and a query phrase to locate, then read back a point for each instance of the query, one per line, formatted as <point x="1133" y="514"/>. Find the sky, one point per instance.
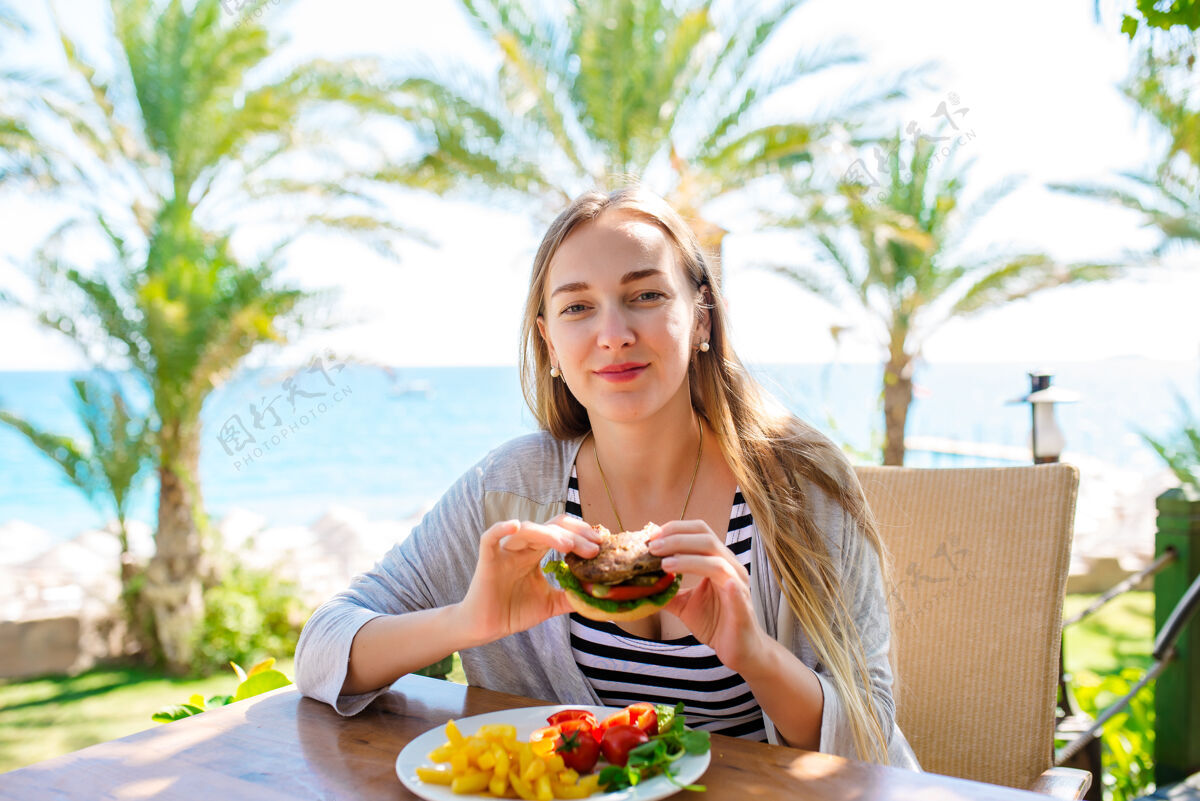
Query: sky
<point x="1039" y="81"/>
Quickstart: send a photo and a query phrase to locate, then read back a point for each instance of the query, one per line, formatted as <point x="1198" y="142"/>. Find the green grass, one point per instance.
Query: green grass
<point x="42" y="718"/>
<point x="1120" y="635"/>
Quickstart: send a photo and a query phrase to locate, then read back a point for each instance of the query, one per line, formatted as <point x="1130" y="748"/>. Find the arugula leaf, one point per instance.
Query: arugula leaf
<point x="615" y="777"/>
<point x="694" y="742"/>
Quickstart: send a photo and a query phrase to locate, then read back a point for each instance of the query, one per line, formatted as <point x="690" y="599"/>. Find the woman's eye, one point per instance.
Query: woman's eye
<point x="650" y="294"/>
<point x="574" y="308"/>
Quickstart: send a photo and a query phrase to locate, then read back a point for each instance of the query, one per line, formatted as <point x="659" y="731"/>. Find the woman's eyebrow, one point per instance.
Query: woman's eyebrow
<point x="629" y="277"/>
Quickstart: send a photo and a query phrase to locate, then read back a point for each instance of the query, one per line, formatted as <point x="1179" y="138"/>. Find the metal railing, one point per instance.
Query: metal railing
<point x="1163" y="653"/>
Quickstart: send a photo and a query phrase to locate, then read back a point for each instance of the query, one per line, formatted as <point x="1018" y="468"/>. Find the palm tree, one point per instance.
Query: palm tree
<point x="107" y="467"/>
<point x="1162" y="86"/>
<point x="906" y="270"/>
<point x="20" y="156"/>
<point x="193" y="134"/>
<point x="625" y="88"/>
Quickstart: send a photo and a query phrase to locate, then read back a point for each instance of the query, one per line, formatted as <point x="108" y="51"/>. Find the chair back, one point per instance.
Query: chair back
<point x="979" y="559"/>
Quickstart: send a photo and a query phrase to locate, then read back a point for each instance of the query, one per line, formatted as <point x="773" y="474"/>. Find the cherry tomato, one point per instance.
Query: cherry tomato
<point x="585" y="727"/>
<point x="627" y="592"/>
<point x="572" y="714"/>
<point x="616" y="719"/>
<point x="544" y="733"/>
<point x="644" y="716"/>
<point x="578" y="751"/>
<point x="618" y="741"/>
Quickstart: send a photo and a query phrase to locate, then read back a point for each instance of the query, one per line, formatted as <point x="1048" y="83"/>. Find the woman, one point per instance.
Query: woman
<point x="647" y="415"/>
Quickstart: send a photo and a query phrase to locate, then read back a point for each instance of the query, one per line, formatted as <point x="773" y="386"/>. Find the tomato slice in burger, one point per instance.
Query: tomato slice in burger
<point x="627" y="592"/>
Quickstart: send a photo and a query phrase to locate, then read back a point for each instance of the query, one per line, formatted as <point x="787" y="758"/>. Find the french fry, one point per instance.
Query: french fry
<point x="524" y="757"/>
<point x="471" y="782"/>
<point x="435" y="775"/>
<point x="534" y="770"/>
<point x="521" y="786"/>
<point x="493" y="762"/>
<point x="541" y="788"/>
<point x="567" y="791"/>
<point x="590" y="783"/>
<point x="442" y="753"/>
<point x="476" y="746"/>
<point x="497" y="732"/>
<point x="453" y="734"/>
<point x="502" y="760"/>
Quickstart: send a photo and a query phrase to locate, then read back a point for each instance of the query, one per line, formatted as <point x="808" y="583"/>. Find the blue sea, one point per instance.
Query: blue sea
<point x="290" y="443"/>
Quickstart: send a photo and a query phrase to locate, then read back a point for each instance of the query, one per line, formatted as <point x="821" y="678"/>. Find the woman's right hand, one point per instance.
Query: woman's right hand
<point x="508" y="592"/>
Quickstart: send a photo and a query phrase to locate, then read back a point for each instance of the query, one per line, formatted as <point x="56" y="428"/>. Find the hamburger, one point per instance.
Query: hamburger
<point x="624" y="581"/>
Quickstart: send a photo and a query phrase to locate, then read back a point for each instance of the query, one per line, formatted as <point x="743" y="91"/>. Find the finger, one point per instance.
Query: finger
<point x="713" y="568"/>
<point x="582" y="546"/>
<point x="678" y="603"/>
<point x="536" y="536"/>
<point x="736" y="596"/>
<point x="558" y="602"/>
<point x="575" y="525"/>
<point x="544" y="535"/>
<point x="497" y="532"/>
<point x="687" y="543"/>
<point x="582" y="541"/>
<point x="681" y="527"/>
<point x="704" y="544"/>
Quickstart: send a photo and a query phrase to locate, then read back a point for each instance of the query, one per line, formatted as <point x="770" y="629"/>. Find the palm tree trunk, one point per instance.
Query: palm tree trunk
<point x="173" y="588"/>
<point x="139" y="635"/>
<point x="897" y="396"/>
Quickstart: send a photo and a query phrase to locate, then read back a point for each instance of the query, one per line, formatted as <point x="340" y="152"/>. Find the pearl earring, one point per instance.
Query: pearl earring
<point x="554" y="373"/>
<point x="704" y="347"/>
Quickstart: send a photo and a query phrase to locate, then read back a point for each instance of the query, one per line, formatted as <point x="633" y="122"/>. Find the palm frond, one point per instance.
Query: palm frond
<point x="965" y="220"/>
<point x="1021" y="276"/>
<point x="70" y="457"/>
<point x="811" y="281"/>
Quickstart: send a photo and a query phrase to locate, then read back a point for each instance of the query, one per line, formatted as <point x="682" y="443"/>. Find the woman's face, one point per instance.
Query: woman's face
<point x="619" y="317"/>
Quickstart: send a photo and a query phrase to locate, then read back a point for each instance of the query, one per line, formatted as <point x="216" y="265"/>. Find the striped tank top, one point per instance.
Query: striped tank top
<point x="623" y="668"/>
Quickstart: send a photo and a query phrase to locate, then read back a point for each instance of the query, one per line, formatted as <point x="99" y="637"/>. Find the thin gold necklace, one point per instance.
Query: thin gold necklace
<point x="691" y="486"/>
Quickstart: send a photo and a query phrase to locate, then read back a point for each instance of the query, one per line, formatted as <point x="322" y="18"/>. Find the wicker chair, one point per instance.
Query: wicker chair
<point x="979" y="560"/>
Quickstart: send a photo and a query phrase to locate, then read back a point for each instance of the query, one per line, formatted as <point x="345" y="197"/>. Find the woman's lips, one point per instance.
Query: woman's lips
<point x="619" y="376"/>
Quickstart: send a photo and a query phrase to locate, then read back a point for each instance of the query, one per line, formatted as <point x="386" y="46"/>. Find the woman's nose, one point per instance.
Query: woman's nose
<point x="615" y="331"/>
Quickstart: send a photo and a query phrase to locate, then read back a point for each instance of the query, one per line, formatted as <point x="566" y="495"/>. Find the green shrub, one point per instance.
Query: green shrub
<point x="1180" y="451"/>
<point x="250" y="613"/>
<point x="262" y="678"/>
<point x="1127" y="742"/>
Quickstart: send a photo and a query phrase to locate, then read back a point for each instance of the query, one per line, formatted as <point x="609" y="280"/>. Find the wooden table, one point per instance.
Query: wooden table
<point x="282" y="746"/>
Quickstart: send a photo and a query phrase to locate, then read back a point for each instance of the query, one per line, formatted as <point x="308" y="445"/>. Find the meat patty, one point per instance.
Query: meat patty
<point x="622" y="556"/>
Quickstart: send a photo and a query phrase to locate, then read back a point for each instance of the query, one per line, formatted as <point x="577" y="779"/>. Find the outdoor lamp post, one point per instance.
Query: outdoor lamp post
<point x="1048" y="441"/>
<point x="1047" y="437"/>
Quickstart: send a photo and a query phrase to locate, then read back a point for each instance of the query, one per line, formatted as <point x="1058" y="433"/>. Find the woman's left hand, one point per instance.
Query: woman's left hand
<point x="717" y="610"/>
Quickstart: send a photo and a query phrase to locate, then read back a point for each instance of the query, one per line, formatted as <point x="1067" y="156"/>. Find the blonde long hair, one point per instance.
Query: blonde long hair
<point x="773" y="455"/>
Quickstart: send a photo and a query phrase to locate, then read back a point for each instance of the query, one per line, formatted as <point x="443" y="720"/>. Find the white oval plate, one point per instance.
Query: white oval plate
<point x="687" y="769"/>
